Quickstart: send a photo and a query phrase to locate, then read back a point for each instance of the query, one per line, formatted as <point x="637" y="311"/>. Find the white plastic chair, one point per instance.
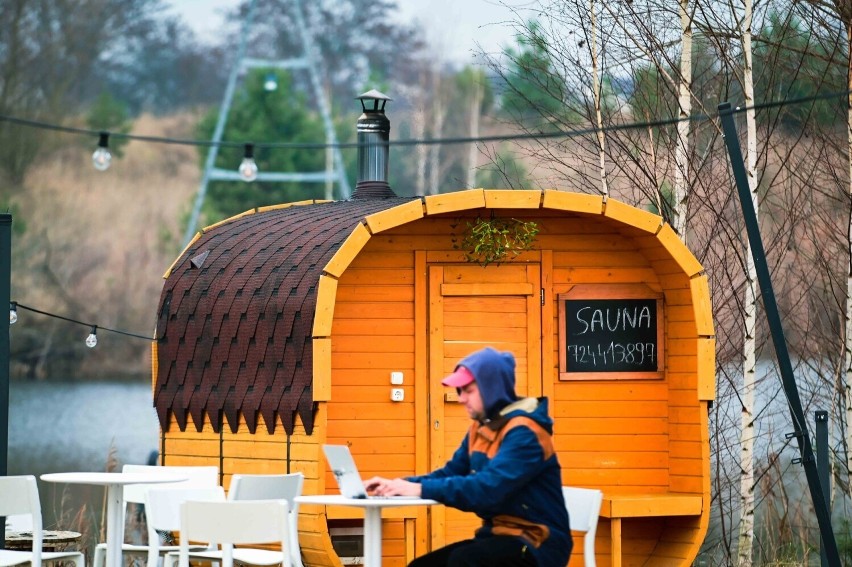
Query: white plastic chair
<point x="235" y="521"/>
<point x="584" y="508"/>
<point x="273" y="487"/>
<point x="163" y="508"/>
<point x="19" y="495"/>
<point x="196" y="476"/>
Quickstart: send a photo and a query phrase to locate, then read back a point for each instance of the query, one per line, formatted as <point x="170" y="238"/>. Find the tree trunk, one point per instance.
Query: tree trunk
<point x="475" y="104"/>
<point x="681" y="193"/>
<point x="847" y="375"/>
<point x="596" y="86"/>
<point x="438" y="113"/>
<point x="745" y="544"/>
<point x="418" y="129"/>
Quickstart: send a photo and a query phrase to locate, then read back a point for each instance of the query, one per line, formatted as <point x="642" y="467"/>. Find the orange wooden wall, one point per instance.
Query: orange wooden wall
<point x="617" y="435"/>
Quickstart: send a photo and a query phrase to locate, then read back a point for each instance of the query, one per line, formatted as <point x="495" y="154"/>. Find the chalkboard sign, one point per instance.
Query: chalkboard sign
<point x="609" y="337"/>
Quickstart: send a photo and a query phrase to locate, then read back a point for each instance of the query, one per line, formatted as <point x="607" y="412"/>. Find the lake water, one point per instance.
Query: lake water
<point x="58" y="427"/>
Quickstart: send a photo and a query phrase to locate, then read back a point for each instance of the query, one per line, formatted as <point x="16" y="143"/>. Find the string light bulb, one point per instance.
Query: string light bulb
<point x="92" y="339"/>
<point x="13" y="312"/>
<point x="270" y="83"/>
<point x="248" y="167"/>
<point x="102" y="158"/>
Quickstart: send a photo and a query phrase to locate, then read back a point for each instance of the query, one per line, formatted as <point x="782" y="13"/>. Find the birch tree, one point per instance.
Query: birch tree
<point x="681" y="172"/>
<point x="433" y="159"/>
<point x="417" y="96"/>
<point x="843" y="12"/>
<point x="596" y="98"/>
<point x="472" y="96"/>
<point x="796" y="180"/>
<point x="472" y="152"/>
<point x="747" y="434"/>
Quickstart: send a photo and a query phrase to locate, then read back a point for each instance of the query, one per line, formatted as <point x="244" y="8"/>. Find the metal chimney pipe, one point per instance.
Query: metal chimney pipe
<point x="373" y="129"/>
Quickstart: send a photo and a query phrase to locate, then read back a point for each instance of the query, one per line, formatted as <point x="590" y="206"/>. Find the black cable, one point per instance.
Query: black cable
<point x="90" y="325"/>
<point x="496" y="138"/>
<point x="417" y="142"/>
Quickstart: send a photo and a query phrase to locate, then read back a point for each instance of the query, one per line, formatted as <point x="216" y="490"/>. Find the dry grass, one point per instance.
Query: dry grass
<point x="97" y="243"/>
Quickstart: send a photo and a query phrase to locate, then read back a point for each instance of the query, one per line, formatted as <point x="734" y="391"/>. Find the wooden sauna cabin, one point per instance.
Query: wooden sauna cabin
<point x="281" y="329"/>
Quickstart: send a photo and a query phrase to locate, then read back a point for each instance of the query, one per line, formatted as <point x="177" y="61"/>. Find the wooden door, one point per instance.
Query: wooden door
<point x="471" y="307"/>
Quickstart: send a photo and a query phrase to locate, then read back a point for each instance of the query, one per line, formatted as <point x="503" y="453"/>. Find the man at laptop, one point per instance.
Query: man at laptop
<point x="505" y="471"/>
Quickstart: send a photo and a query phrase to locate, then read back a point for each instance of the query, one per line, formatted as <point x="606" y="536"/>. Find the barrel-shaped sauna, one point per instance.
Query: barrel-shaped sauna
<point x="279" y="330"/>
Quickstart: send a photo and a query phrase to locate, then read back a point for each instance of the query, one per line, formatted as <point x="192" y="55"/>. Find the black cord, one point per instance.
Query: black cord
<point x="90" y="325"/>
<point x="496" y="138"/>
<point x="417" y="142"/>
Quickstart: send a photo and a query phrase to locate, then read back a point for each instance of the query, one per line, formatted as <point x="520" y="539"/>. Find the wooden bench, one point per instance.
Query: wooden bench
<point x="618" y="506"/>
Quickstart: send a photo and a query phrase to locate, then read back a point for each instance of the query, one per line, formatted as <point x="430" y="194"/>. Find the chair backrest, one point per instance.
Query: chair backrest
<point x="19" y="523"/>
<point x="162" y="505"/>
<point x="195" y="476"/>
<point x="19" y="495"/>
<point x="234" y="522"/>
<point x="273" y="487"/>
<point x="584" y="508"/>
<point x="267" y="487"/>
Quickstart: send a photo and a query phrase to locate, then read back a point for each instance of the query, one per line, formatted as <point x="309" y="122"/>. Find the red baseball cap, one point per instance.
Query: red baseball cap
<point x="458" y="379"/>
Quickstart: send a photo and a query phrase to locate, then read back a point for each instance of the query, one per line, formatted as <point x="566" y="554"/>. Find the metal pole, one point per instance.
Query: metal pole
<point x="5" y="294"/>
<point x="330" y="137"/>
<point x="777" y="331"/>
<point x="210" y="163"/>
<point x="824" y="467"/>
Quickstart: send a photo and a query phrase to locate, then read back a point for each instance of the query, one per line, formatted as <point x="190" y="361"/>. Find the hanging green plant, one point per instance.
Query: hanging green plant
<point x="489" y="241"/>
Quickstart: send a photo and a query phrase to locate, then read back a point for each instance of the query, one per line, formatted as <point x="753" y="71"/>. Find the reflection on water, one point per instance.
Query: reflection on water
<point x="58" y="427"/>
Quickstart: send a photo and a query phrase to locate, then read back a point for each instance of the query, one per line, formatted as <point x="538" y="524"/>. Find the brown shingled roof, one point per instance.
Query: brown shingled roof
<point x="236" y="313"/>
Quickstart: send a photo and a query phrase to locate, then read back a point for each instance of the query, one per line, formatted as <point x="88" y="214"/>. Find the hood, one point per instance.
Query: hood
<point x="533" y="408"/>
<point x="494" y="372"/>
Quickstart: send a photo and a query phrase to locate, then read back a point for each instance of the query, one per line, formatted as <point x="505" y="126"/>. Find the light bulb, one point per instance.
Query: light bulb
<point x="13" y="313"/>
<point x="270" y="83"/>
<point x="102" y="158"/>
<point x="92" y="339"/>
<point x="248" y="167"/>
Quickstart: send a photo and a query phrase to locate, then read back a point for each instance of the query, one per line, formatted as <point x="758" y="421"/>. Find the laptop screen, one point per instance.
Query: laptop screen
<point x="345" y="473"/>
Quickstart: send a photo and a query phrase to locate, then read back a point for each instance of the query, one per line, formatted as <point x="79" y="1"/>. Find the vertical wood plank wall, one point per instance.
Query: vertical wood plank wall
<point x="373" y="334"/>
<point x="470" y="308"/>
<point x="617" y="435"/>
<point x="626" y="436"/>
<point x="260" y="453"/>
<point x="190" y="447"/>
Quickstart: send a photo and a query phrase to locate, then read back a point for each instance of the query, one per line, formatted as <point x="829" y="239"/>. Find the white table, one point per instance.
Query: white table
<point x="372" y="517"/>
<point x="114" y="481"/>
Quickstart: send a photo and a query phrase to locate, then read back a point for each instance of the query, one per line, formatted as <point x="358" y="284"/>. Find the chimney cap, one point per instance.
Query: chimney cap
<point x="373" y="94"/>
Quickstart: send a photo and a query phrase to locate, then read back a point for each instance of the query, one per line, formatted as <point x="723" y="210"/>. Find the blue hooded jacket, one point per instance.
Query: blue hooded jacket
<point x="506" y="470"/>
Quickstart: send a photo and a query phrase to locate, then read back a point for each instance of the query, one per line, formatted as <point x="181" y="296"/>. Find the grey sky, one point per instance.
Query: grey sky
<point x="453" y="27"/>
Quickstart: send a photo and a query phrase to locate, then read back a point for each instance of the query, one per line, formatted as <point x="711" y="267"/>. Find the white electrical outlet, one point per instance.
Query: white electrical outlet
<point x="396" y="378"/>
<point x="397" y="394"/>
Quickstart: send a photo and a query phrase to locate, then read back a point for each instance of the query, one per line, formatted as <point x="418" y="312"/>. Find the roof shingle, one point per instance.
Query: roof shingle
<point x="236" y="313"/>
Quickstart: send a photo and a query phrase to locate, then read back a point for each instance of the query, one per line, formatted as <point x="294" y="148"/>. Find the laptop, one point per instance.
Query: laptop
<point x="347" y="476"/>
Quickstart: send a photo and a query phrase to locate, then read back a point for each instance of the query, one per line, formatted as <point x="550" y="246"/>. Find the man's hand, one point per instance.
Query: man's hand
<point x="371" y="485"/>
<point x="392" y="487"/>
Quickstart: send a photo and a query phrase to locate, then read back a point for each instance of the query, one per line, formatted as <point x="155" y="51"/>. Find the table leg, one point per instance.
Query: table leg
<point x="372" y="536"/>
<point x="114" y="527"/>
<point x="615" y="532"/>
